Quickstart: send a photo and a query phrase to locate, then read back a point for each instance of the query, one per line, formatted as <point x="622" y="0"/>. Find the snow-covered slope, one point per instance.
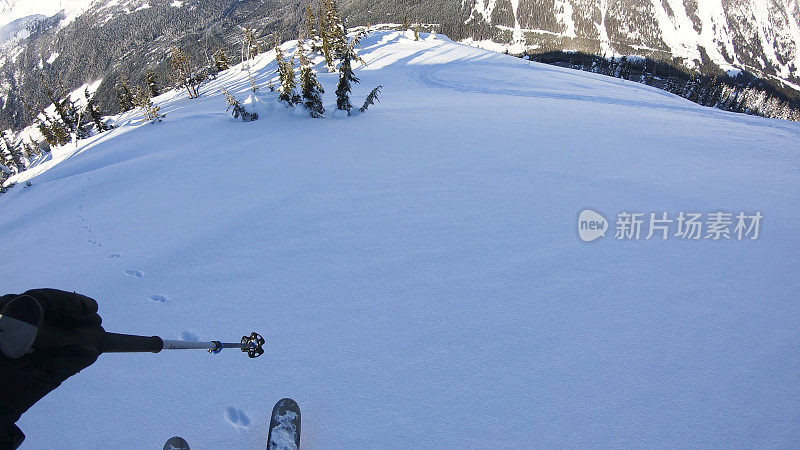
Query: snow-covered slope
<point x="11" y="10"/>
<point x="17" y="30"/>
<point x="416" y="270"/>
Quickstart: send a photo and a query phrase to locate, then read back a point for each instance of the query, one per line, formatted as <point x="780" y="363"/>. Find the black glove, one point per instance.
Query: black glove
<point x="27" y="379"/>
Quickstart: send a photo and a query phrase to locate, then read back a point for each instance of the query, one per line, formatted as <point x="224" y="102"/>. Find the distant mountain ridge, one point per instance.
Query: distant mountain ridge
<point x="757" y="35"/>
<point x="114" y="37"/>
<point x="12" y="10"/>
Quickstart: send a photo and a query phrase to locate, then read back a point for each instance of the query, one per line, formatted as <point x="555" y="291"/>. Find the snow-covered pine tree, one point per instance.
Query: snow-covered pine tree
<point x="52" y="130"/>
<point x="236" y="109"/>
<point x="346" y="77"/>
<point x="31" y="150"/>
<point x="47" y="133"/>
<point x="310" y="24"/>
<point x="43" y="146"/>
<point x="183" y="72"/>
<point x="150" y="111"/>
<point x="12" y="153"/>
<point x="152" y="83"/>
<point x="253" y="85"/>
<point x="286" y="91"/>
<point x="327" y="50"/>
<point x="309" y="85"/>
<point x="250" y="45"/>
<point x="124" y="94"/>
<point x="332" y="32"/>
<point x="94" y="114"/>
<point x="7" y="160"/>
<point x="372" y="97"/>
<point x="60" y="133"/>
<point x="220" y="60"/>
<point x="64" y="107"/>
<point x="6" y="144"/>
<point x="43" y="128"/>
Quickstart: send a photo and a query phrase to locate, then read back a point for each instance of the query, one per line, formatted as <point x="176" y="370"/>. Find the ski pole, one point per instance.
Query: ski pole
<point x="253" y="345"/>
<point x="22" y="331"/>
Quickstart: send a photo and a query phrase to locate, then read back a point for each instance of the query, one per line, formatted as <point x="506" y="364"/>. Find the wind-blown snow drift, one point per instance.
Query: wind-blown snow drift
<point x="416" y="270"/>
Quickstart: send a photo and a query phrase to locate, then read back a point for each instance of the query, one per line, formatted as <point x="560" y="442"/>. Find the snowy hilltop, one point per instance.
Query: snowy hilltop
<point x="715" y="38"/>
<point x="417" y="270"/>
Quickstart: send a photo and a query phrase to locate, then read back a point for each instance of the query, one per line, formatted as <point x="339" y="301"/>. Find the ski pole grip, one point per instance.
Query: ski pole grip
<point x="126" y="343"/>
<point x="103" y="341"/>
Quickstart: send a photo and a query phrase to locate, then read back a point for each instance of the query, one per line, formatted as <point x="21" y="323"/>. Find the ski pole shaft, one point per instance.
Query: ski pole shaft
<point x="210" y="346"/>
<point x="119" y="343"/>
<point x="107" y="342"/>
<point x="22" y="330"/>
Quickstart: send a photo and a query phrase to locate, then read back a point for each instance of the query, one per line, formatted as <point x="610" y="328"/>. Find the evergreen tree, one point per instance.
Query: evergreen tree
<point x="152" y="84"/>
<point x="310" y="23"/>
<point x="625" y="68"/>
<point x="220" y="60"/>
<point x="690" y="88"/>
<point x="64" y="107"/>
<point x="332" y="33"/>
<point x="184" y="72"/>
<point x="31" y="150"/>
<point x="124" y="94"/>
<point x="250" y="46"/>
<point x="150" y="111"/>
<point x="371" y="99"/>
<point x="12" y="155"/>
<point x="310" y="87"/>
<point x="327" y="49"/>
<point x="253" y="85"/>
<point x="49" y="135"/>
<point x="52" y="131"/>
<point x="60" y="133"/>
<point x="42" y="146"/>
<point x="286" y="91"/>
<point x="236" y="109"/>
<point x="346" y="77"/>
<point x="94" y="114"/>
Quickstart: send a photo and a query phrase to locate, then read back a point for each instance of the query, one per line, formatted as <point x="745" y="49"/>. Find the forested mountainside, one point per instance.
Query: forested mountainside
<point x="108" y="38"/>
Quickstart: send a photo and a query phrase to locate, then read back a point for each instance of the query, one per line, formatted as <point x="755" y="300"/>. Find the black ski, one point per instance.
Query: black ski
<point x="284" y="426"/>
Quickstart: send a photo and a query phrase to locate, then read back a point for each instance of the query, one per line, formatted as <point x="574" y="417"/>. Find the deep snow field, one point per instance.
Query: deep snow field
<point x="416" y="270"/>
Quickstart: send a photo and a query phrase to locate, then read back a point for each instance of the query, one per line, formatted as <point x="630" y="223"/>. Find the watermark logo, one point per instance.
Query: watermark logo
<point x="591" y="225"/>
<point x="634" y="226"/>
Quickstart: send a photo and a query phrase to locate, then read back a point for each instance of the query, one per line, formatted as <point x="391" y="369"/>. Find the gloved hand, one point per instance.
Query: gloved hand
<point x="25" y="380"/>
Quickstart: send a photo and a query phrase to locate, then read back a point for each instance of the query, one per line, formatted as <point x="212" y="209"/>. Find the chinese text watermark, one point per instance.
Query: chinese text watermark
<point x="632" y="226"/>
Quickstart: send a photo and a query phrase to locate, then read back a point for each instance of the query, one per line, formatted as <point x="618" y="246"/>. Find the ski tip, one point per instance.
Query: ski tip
<point x="284" y="427"/>
<point x="287" y="404"/>
<point x="176" y="443"/>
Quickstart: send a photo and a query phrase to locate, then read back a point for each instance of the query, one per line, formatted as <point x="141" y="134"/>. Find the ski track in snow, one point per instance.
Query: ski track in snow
<point x="416" y="271"/>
